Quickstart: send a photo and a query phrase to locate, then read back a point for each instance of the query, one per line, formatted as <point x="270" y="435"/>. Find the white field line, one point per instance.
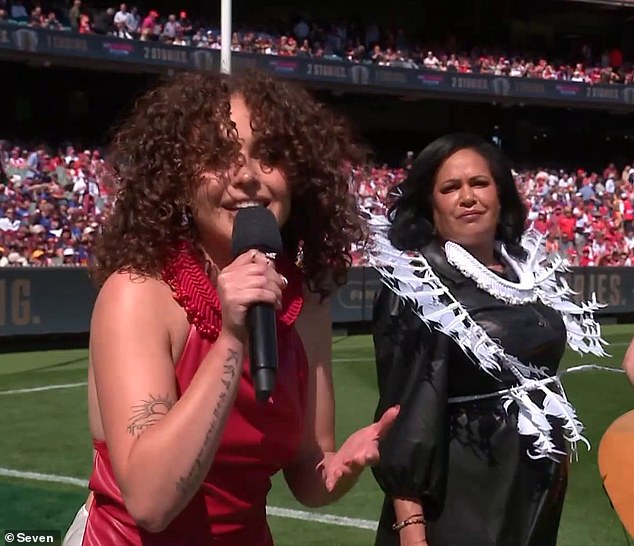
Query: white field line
<point x="83" y="384"/>
<point x="36" y="476"/>
<point x="45" y="388"/>
<point x="302" y="515"/>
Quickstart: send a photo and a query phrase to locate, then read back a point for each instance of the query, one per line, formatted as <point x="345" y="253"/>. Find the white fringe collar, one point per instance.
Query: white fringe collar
<point x="500" y="288"/>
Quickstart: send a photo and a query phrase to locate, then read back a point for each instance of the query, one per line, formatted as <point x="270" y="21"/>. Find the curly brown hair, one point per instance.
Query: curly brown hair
<point x="182" y="127"/>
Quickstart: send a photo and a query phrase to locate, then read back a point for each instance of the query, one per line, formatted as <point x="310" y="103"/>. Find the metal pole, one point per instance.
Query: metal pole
<point x="225" y="36"/>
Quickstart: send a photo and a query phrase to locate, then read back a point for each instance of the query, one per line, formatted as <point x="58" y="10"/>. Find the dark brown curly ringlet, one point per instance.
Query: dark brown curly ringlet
<point x="182" y="127"/>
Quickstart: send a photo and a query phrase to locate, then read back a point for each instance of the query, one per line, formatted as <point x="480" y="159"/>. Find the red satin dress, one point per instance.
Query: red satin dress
<point x="259" y="438"/>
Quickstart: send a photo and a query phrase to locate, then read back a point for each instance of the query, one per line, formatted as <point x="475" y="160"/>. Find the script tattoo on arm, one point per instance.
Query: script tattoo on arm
<point x="186" y="483"/>
<point x="147" y="413"/>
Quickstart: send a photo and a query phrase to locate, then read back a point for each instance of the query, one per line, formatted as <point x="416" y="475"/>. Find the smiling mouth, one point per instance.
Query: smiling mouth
<point x="247" y="204"/>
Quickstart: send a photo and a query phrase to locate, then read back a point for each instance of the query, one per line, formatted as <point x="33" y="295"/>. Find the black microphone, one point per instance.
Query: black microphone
<point x="256" y="228"/>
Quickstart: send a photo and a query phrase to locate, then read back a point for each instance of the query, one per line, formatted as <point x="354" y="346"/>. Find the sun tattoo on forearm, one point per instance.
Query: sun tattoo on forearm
<point x="147" y="413"/>
<point x="185" y="484"/>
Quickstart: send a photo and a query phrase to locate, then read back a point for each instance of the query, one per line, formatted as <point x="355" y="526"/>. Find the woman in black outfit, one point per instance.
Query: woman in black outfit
<point x="470" y="328"/>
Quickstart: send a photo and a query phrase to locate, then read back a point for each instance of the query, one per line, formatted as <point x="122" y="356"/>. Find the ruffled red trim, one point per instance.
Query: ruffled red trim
<point x="194" y="292"/>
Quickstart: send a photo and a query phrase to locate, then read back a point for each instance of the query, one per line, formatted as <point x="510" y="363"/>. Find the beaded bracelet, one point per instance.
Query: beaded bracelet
<point x="412" y="520"/>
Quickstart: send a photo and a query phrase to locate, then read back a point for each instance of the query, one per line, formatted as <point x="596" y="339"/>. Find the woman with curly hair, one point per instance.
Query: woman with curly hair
<point x="183" y="451"/>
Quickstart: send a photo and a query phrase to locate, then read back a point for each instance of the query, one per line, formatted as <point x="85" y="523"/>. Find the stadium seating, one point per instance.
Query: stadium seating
<point x="333" y="41"/>
<point x="52" y="204"/>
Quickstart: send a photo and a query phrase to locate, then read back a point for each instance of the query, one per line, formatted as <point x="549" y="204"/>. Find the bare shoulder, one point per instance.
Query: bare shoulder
<point x="129" y="295"/>
<point x="131" y="285"/>
<point x="129" y="304"/>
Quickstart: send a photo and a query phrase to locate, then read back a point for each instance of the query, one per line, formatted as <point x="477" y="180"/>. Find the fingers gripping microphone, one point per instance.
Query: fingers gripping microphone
<point x="256" y="228"/>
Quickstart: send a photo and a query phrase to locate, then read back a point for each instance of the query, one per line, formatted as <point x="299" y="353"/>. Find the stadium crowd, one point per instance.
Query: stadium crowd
<point x="585" y="217"/>
<point x="370" y="44"/>
<point x="51" y="204"/>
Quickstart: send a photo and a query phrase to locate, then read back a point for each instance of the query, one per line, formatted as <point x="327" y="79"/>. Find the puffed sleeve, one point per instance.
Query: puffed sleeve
<point x="412" y="363"/>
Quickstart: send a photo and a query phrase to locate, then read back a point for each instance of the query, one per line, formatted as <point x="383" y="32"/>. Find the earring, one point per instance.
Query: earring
<point x="299" y="257"/>
<point x="186" y="216"/>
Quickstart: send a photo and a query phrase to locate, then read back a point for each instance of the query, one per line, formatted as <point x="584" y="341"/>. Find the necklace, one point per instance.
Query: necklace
<point x="515" y="293"/>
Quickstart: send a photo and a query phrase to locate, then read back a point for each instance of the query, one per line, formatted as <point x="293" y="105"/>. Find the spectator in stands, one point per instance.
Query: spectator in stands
<point x="121" y="17"/>
<point x="170" y="315"/>
<point x="587" y="190"/>
<point x="171" y="29"/>
<point x="104" y="22"/>
<point x="18" y="11"/>
<point x="74" y="13"/>
<point x="122" y="20"/>
<point x="37" y="18"/>
<point x="150" y="28"/>
<point x="540" y="223"/>
<point x="84" y="24"/>
<point x="185" y="25"/>
<point x="51" y="22"/>
<point x="566" y="227"/>
<point x="134" y="22"/>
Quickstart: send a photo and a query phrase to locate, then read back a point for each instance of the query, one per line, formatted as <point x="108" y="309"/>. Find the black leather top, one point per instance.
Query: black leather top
<point x="467" y="462"/>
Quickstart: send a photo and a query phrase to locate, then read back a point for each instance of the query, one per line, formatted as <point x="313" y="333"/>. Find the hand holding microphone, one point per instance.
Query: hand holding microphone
<point x="246" y="280"/>
<point x="250" y="290"/>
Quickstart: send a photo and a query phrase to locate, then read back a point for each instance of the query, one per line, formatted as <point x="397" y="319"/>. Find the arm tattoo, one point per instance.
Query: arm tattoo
<point x="147" y="413"/>
<point x="186" y="483"/>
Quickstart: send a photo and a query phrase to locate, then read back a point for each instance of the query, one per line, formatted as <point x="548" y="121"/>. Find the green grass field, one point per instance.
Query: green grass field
<point x="46" y="432"/>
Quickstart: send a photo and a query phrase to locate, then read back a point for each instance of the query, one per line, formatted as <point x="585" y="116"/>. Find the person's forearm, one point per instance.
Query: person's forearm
<point x="171" y="458"/>
<point x="414" y="534"/>
<point x="306" y="480"/>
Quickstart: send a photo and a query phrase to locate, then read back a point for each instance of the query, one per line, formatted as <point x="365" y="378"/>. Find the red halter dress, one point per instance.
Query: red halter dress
<point x="259" y="438"/>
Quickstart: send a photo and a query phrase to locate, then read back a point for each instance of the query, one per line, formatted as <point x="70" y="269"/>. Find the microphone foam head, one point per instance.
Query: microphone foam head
<point x="255" y="228"/>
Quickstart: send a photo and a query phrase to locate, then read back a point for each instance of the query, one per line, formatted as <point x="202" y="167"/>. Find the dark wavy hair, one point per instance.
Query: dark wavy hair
<point x="183" y="127"/>
<point x="411" y="212"/>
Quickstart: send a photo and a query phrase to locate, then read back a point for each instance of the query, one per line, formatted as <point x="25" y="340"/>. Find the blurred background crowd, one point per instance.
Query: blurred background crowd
<point x="51" y="203"/>
<point x="53" y="200"/>
<point x="371" y="43"/>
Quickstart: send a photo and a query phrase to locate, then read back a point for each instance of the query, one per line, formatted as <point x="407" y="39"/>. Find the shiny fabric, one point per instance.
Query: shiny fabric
<point x="258" y="440"/>
<point x="466" y="463"/>
<point x="75" y="533"/>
